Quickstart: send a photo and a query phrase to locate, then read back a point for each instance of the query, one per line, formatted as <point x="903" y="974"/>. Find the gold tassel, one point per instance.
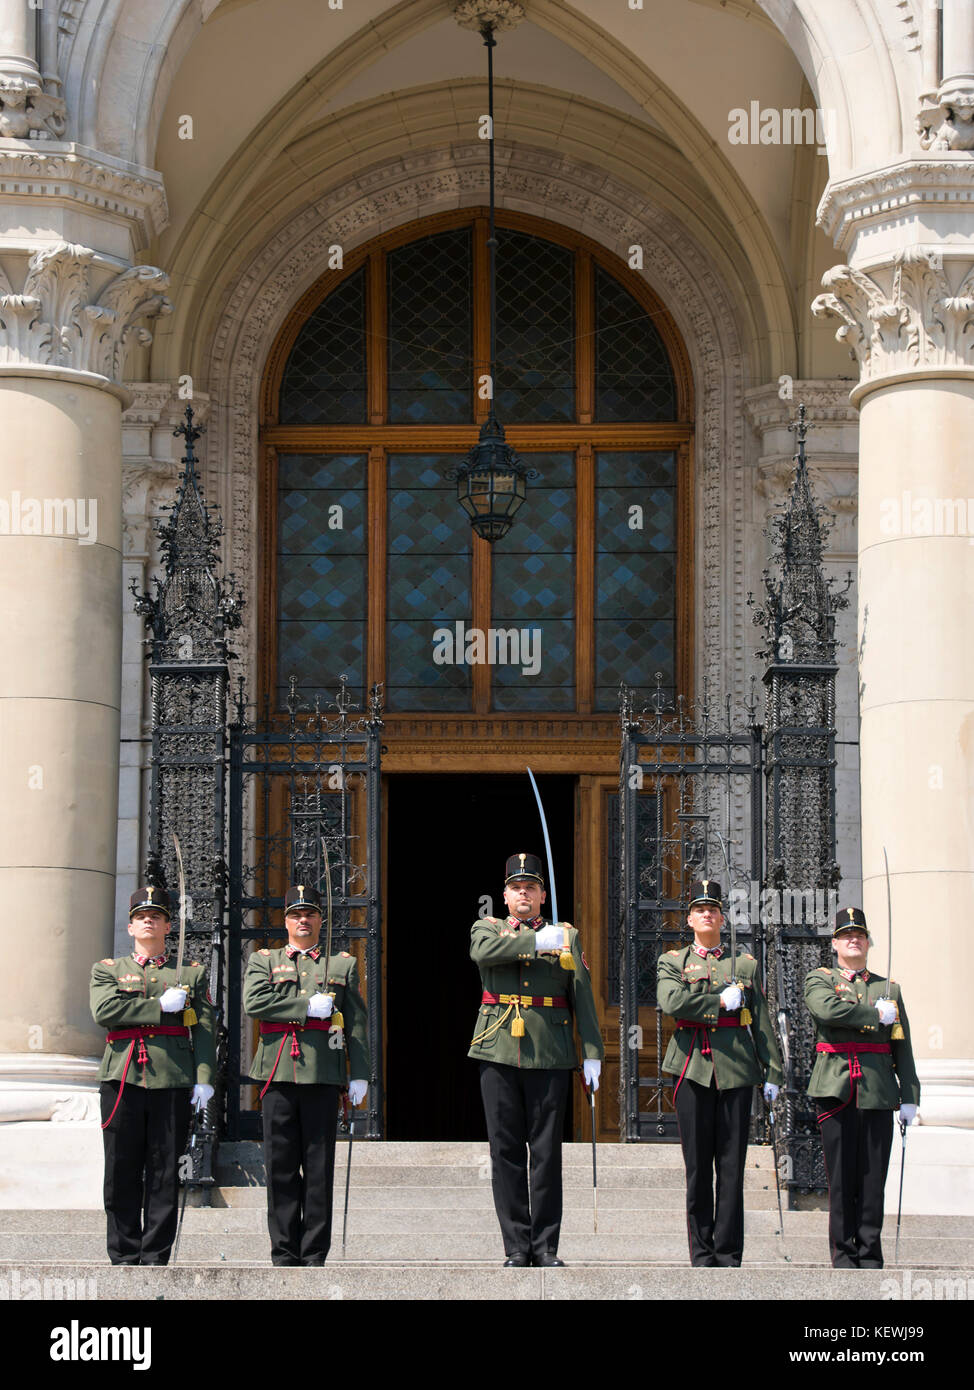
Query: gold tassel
<point x="517" y="1027"/>
<point x="189" y="1018"/>
<point x="337" y="1021"/>
<point x="745" y="1017"/>
<point x="897" y="1034"/>
<point x="566" y="960"/>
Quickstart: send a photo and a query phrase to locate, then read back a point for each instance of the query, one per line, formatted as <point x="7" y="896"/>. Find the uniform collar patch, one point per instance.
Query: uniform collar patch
<point x="291" y="951"/>
<point x="705" y="951"/>
<point x="150" y="960"/>
<point x="852" y="975"/>
<point x="535" y="924"/>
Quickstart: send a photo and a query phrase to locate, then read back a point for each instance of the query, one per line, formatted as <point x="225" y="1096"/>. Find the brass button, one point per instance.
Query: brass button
<point x="152" y="980"/>
<point x="304" y="991"/>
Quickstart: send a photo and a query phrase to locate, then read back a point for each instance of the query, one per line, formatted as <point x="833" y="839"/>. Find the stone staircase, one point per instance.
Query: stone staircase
<point x="422" y="1226"/>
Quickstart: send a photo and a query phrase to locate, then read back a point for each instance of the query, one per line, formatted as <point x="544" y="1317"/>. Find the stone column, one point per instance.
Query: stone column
<point x="906" y="306"/>
<point x="66" y="327"/>
<point x="28" y="110"/>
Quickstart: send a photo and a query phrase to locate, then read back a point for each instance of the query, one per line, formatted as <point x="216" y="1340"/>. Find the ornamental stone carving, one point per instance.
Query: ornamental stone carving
<point x="27" y="112"/>
<point x="57" y="320"/>
<point x="908" y="319"/>
<point x="499" y="14"/>
<point x="947" y="123"/>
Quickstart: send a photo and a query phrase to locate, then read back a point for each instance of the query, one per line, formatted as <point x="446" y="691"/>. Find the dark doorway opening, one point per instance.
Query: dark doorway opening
<point x="449" y="838"/>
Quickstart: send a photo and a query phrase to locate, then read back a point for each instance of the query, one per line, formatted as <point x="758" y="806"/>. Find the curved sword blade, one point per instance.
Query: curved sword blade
<point x="547" y="845"/>
<point x="181" y="948"/>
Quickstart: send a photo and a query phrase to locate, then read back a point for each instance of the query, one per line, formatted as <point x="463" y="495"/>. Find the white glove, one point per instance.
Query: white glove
<point x="731" y="998"/>
<point x="202" y="1095"/>
<point x="550" y="938"/>
<point x="886" y="1010"/>
<point x="908" y="1113"/>
<point x="770" y="1092"/>
<point x="321" y="1005"/>
<point x="356" y="1091"/>
<point x="593" y="1070"/>
<point x="173" y="1001"/>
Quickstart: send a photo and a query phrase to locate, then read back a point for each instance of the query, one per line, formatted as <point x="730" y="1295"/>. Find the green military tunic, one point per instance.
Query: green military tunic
<point x="277" y="990"/>
<point x="125" y="994"/>
<point x="845" y="1012"/>
<point x="510" y="965"/>
<point x="689" y="986"/>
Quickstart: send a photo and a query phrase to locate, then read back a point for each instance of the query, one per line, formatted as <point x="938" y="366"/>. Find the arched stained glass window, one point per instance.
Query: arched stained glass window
<point x="376" y="572"/>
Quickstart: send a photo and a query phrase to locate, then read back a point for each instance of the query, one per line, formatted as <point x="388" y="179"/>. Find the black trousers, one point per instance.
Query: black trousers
<point x="857" y="1145"/>
<point x="713" y="1128"/>
<point x="143" y="1145"/>
<point x="299" y="1159"/>
<point x="525" y="1111"/>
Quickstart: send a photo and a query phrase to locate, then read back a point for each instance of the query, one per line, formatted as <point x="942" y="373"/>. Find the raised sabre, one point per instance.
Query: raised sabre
<point x="189" y="1015"/>
<point x="565" y="959"/>
<point x="337" y="1021"/>
<point x="896" y="1032"/>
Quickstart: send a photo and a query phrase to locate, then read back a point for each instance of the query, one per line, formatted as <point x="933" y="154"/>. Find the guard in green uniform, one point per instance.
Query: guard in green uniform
<point x="864" y="1071"/>
<point x="535" y="979"/>
<point x="309" y="1009"/>
<point x="723" y="1047"/>
<point x="161" y="1046"/>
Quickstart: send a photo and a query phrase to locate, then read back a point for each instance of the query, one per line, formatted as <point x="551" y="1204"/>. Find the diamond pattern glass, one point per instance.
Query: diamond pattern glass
<point x="635" y="568"/>
<point x="535" y="330"/>
<point x="322" y="581"/>
<point x="324" y="382"/>
<point x="533" y="594"/>
<point x="633" y="375"/>
<point x="430" y="306"/>
<point x="429" y="586"/>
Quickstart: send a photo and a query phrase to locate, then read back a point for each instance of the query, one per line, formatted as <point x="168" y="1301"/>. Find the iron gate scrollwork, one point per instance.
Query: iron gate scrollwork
<point x="297" y="777"/>
<point x="690" y="799"/>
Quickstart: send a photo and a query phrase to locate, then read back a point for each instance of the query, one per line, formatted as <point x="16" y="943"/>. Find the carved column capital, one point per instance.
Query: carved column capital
<point x="59" y="319"/>
<point x="915" y="317"/>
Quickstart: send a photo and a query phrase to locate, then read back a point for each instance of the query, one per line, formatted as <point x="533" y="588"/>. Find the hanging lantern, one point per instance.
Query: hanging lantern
<point x="492" y="482"/>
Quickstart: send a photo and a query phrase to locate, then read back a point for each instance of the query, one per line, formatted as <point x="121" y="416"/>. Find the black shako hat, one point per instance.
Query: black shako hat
<point x="300" y="895"/>
<point x="523" y="866"/>
<point x="851" y="919"/>
<point x="706" y="890"/>
<point x="150" y="896"/>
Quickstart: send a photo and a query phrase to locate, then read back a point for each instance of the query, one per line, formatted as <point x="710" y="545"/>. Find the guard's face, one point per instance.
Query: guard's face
<point x="148" y="928"/>
<point x="303" y="927"/>
<point x="524" y="897"/>
<point x="851" y="948"/>
<point x="705" y="921"/>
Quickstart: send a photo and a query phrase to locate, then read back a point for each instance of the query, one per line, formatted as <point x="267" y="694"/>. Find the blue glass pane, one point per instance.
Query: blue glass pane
<point x="635" y="605"/>
<point x="322" y="577"/>
<point x="533" y="664"/>
<point x="633" y="375"/>
<point x="533" y="591"/>
<point x="429" y="585"/>
<point x="318" y="653"/>
<point x="324" y="381"/>
<point x="430" y="297"/>
<point x="535" y="330"/>
<point x="425" y="669"/>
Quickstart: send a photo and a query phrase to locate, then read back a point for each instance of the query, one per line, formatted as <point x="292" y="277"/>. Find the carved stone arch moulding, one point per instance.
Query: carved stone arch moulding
<point x="256" y="305"/>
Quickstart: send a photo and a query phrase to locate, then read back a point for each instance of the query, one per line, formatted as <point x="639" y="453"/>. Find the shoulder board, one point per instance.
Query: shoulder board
<point x="673" y="953"/>
<point x="194" y="965"/>
<point x="746" y="955"/>
<point x="109" y="961"/>
<point x="493" y="920"/>
<point x="347" y="955"/>
<point x="822" y="970"/>
<point x="263" y="951"/>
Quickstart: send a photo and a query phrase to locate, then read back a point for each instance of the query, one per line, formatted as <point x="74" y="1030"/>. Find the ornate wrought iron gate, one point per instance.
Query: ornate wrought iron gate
<point x="296" y="779"/>
<point x="691" y="801"/>
<point x="687" y="777"/>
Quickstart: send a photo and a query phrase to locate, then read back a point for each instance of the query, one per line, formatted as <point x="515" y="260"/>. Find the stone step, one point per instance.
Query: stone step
<point x="424" y="1280"/>
<point x="650" y="1246"/>
<point x="479" y="1197"/>
<point x="247" y="1156"/>
<point x="444" y="1220"/>
<point x="574" y="1175"/>
<point x="448" y="1222"/>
